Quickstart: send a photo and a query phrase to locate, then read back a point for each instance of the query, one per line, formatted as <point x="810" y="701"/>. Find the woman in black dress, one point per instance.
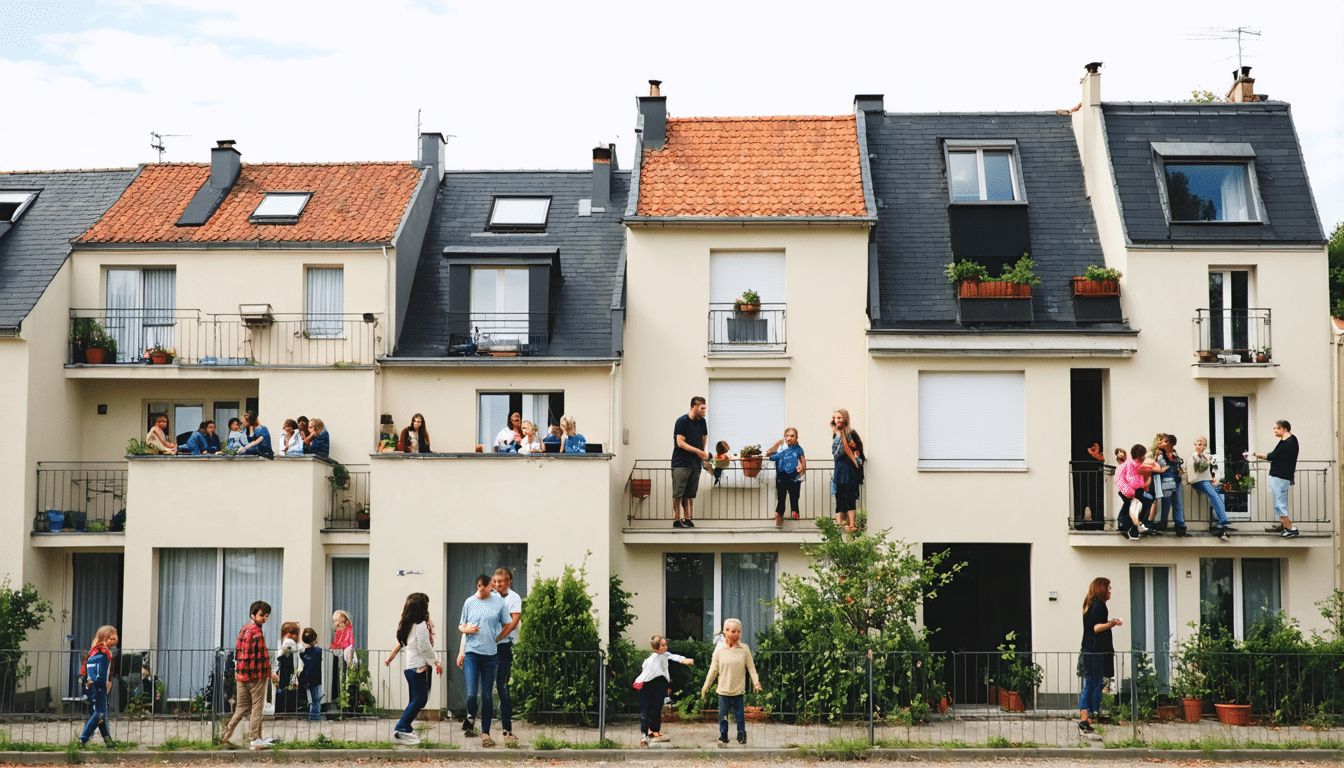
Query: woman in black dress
<point x="1098" y="653"/>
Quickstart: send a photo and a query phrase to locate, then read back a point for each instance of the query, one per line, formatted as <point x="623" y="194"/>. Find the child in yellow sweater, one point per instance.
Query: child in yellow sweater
<point x="732" y="663"/>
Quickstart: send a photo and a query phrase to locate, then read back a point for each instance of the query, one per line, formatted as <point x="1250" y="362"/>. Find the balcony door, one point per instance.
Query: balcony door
<point x="731" y="275"/>
<point x="1150" y="606"/>
<point x="139" y="308"/>
<point x="1230" y="437"/>
<point x="1229" y="310"/>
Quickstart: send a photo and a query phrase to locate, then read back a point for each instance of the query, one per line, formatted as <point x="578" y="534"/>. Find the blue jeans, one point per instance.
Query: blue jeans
<point x="1215" y="498"/>
<point x="481" y="673"/>
<point x="97" y="693"/>
<point x="1176" y="505"/>
<point x="1279" y="487"/>
<point x="1090" y="698"/>
<point x="419" y="685"/>
<point x="502" y="684"/>
<point x="737" y="706"/>
<point x="315" y="702"/>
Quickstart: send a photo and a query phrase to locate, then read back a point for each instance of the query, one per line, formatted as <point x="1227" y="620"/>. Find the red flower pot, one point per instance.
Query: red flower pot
<point x="1233" y="714"/>
<point x="1194" y="710"/>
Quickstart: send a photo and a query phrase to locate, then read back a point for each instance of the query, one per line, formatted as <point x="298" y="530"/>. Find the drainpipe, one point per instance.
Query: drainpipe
<point x="387" y="306"/>
<point x="1336" y="373"/>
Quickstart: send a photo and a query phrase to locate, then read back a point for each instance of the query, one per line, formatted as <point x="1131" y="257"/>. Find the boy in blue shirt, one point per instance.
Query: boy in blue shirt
<point x="484" y="616"/>
<point x="310" y="677"/>
<point x="790" y="464"/>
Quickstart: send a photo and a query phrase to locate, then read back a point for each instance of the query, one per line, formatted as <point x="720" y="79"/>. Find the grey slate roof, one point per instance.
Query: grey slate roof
<point x="913" y="237"/>
<point x="590" y="250"/>
<point x="32" y="252"/>
<point x="1266" y="126"/>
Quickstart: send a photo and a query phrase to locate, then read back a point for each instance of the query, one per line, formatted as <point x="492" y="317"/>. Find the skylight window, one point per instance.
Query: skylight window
<point x="280" y="208"/>
<point x="520" y="214"/>
<point x="13" y="204"/>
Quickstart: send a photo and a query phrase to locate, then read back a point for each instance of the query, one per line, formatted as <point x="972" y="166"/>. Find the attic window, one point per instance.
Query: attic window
<point x="983" y="171"/>
<point x="519" y="214"/>
<point x="1208" y="182"/>
<point x="280" y="208"/>
<point x="13" y="204"/>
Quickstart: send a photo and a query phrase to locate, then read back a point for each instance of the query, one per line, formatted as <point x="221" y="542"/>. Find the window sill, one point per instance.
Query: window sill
<point x="956" y="465"/>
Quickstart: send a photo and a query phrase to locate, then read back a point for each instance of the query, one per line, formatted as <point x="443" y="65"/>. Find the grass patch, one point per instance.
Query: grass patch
<point x="324" y="742"/>
<point x="544" y="742"/>
<point x="435" y="745"/>
<point x="904" y="744"/>
<point x="7" y="745"/>
<point x="844" y="749"/>
<point x="953" y="744"/>
<point x="177" y="743"/>
<point x="1126" y="744"/>
<point x="1000" y="742"/>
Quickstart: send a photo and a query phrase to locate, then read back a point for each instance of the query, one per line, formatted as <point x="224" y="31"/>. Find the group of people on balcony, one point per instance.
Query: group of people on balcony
<point x="520" y="436"/>
<point x="1145" y="477"/>
<point x="247" y="436"/>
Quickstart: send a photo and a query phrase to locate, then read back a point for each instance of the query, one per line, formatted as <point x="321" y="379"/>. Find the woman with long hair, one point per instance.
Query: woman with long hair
<point x="413" y="635"/>
<point x="415" y="438"/>
<point x="572" y="442"/>
<point x="847" y="450"/>
<point x="293" y="441"/>
<point x="258" y="437"/>
<point x="1098" y="651"/>
<point x="97" y="670"/>
<point x="508" y="438"/>
<point x="157" y="439"/>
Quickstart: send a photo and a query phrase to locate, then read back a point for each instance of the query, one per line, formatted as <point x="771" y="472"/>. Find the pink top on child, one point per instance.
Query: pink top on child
<point x="344" y="638"/>
<point x="1128" y="479"/>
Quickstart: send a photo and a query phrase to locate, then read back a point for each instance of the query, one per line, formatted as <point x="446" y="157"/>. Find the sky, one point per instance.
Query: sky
<point x="527" y="84"/>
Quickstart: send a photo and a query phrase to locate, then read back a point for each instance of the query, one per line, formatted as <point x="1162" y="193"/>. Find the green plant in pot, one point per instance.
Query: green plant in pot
<point x="959" y="271"/>
<point x="751" y="460"/>
<point x="1021" y="272"/>
<point x="749" y="302"/>
<point x="340" y="476"/>
<point x="1019" y="675"/>
<point x="105" y="344"/>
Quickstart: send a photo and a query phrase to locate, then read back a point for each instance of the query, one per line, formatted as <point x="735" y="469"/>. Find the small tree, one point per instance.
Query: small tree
<point x="21" y="611"/>
<point x="557" y="661"/>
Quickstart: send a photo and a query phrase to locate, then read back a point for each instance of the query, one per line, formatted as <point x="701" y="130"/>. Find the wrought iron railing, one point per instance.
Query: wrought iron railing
<point x="1232" y="336"/>
<point x="498" y="334"/>
<point x="736" y="493"/>
<point x="85" y="496"/>
<point x="762" y="328"/>
<point x="349" y="505"/>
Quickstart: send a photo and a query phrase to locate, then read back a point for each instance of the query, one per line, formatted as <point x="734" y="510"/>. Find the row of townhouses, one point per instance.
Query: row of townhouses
<point x="347" y="291"/>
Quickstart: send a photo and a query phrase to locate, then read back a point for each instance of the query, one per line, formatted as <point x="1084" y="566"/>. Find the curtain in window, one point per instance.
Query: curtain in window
<point x="188" y="619"/>
<point x="1235" y="205"/>
<point x="465" y="563"/>
<point x="160" y="301"/>
<point x="96" y="600"/>
<point x="249" y="575"/>
<point x="123" y="302"/>
<point x="1259" y="591"/>
<point x="350" y="593"/>
<point x="492" y="416"/>
<point x="748" y="578"/>
<point x="499" y="305"/>
<point x="325" y="302"/>
<point x="536" y="409"/>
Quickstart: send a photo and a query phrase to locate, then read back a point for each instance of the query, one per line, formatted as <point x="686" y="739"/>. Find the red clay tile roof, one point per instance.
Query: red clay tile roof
<point x="351" y="203"/>
<point x="754" y="166"/>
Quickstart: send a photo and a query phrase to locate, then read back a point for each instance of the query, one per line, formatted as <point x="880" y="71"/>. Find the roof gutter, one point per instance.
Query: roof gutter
<point x="230" y="244"/>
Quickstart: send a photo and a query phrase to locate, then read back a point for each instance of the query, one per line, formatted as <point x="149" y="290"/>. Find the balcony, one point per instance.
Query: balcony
<point x="736" y="330"/>
<point x="1232" y="339"/>
<point x="205" y="341"/>
<point x="80" y="498"/>
<point x="349" y="508"/>
<point x="1094" y="504"/>
<point x="737" y="508"/>
<point x="498" y="334"/>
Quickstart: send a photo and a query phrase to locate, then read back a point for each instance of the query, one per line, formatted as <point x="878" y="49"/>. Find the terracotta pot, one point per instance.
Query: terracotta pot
<point x="1013" y="702"/>
<point x="1194" y="710"/>
<point x="942" y="706"/>
<point x="159" y="358"/>
<point x="1233" y="714"/>
<point x="1168" y="712"/>
<point x="751" y="467"/>
<point x="1262" y="358"/>
<point x="1085" y="287"/>
<point x="748" y="309"/>
<point x="641" y="489"/>
<point x="95" y="356"/>
<point x="975" y="289"/>
<point x="1207" y="356"/>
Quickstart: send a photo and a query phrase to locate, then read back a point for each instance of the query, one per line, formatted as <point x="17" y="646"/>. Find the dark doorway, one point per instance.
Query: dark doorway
<point x="1087" y="474"/>
<point x="465" y="563"/>
<point x="970" y="617"/>
<point x="96" y="602"/>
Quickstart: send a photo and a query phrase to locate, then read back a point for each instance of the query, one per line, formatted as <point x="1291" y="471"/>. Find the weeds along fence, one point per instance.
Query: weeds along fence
<point x="185" y="697"/>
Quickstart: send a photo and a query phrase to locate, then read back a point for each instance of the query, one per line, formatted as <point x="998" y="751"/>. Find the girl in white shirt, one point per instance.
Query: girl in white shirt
<point x="652" y="683"/>
<point x="413" y="635"/>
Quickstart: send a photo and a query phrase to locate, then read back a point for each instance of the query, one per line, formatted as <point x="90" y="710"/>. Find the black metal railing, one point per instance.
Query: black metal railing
<point x="1232" y="336"/>
<point x="85" y="496"/>
<point x="762" y="328"/>
<point x="349" y="506"/>
<point x="197" y="339"/>
<point x="498" y="334"/>
<point x="736" y="493"/>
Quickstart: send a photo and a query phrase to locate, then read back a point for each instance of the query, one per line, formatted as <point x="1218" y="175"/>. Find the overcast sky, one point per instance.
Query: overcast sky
<point x="526" y="84"/>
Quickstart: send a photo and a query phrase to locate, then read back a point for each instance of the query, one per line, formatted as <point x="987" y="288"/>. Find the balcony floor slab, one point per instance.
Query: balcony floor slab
<point x="78" y="540"/>
<point x="1204" y="541"/>
<point x="702" y="534"/>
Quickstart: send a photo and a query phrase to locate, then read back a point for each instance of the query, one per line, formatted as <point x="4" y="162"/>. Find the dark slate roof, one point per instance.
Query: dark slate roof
<point x="33" y="250"/>
<point x="590" y="250"/>
<point x="1266" y="126"/>
<point x="913" y="237"/>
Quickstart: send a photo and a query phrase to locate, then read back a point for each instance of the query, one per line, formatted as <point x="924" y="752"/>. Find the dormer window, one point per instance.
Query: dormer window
<point x="519" y="214"/>
<point x="280" y="208"/>
<point x="13" y="204"/>
<point x="1208" y="182"/>
<point x="983" y="171"/>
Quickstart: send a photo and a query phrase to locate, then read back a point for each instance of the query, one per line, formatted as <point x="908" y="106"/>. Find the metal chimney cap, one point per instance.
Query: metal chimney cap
<point x="225" y="143"/>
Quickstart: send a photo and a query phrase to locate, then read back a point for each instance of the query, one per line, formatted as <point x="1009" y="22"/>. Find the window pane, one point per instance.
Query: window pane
<point x="251" y="575"/>
<point x="493" y="416"/>
<point x="1215" y="593"/>
<point x="690" y="597"/>
<point x="749" y="578"/>
<point x="1259" y="590"/>
<point x="350" y="593"/>
<point x="187" y="621"/>
<point x="223" y="412"/>
<point x="520" y="211"/>
<point x="963" y="175"/>
<point x="499" y="303"/>
<point x="281" y="205"/>
<point x="998" y="174"/>
<point x="326" y="302"/>
<point x="1209" y="192"/>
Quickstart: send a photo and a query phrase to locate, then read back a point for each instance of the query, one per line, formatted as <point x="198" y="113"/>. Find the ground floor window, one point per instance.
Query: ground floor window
<point x="704" y="588"/>
<point x="1236" y="593"/>
<point x="1150" y="611"/>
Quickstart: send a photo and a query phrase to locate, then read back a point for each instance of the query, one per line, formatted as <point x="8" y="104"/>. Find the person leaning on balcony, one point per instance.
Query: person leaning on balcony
<point x="508" y="438"/>
<point x="573" y="442"/>
<point x="1282" y="467"/>
<point x="305" y="432"/>
<point x="293" y="441"/>
<point x="258" y="437"/>
<point x="203" y="440"/>
<point x="415" y="438"/>
<point x="1131" y="478"/>
<point x="321" y="442"/>
<point x="1203" y="466"/>
<point x="531" y="443"/>
<point x="1171" y="465"/>
<point x="1098" y="651"/>
<point x="157" y="439"/>
<point x="690" y="435"/>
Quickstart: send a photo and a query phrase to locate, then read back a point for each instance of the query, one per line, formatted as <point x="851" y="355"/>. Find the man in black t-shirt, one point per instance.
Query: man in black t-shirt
<point x="688" y="449"/>
<point x="1282" y="467"/>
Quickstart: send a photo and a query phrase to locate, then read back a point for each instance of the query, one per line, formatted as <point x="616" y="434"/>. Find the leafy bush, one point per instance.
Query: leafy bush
<point x="21" y="611"/>
<point x="1020" y="272"/>
<point x="965" y="270"/>
<point x="557" y="659"/>
<point x="1101" y="273"/>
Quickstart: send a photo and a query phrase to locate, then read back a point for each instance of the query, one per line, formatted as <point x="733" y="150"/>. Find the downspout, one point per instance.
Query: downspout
<point x="1336" y="373"/>
<point x="387" y="306"/>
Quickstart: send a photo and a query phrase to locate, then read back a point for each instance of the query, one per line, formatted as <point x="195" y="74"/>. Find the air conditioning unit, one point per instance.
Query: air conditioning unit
<point x="256" y="314"/>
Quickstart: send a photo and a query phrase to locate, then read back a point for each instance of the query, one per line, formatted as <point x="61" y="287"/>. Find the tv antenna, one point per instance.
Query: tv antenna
<point x="156" y="141"/>
<point x="1229" y="33"/>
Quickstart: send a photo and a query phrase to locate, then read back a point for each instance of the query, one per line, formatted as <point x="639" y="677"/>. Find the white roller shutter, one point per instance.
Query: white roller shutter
<point x="745" y="412"/>
<point x="972" y="421"/>
<point x="732" y="273"/>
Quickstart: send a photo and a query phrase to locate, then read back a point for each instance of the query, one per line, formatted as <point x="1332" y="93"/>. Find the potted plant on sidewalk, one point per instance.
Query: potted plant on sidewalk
<point x="1188" y="682"/>
<point x="1020" y="677"/>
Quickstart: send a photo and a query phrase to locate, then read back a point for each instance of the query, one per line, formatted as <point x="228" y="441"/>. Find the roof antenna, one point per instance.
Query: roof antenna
<point x="156" y="141"/>
<point x="1228" y="33"/>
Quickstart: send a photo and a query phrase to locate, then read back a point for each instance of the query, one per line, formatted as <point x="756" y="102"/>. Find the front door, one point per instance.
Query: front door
<point x="1150" y="632"/>
<point x="465" y="563"/>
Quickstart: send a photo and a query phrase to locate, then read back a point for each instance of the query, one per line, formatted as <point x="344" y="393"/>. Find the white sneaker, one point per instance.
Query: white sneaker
<point x="1143" y="528"/>
<point x="261" y="743"/>
<point x="401" y="737"/>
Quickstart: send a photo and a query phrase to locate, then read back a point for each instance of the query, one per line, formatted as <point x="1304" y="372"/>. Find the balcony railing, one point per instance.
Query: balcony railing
<point x="734" y="330"/>
<point x="199" y="339"/>
<point x="1095" y="502"/>
<point x="1232" y="336"/>
<point x="498" y="334"/>
<point x="735" y="496"/>
<point x="89" y="496"/>
<point x="350" y="504"/>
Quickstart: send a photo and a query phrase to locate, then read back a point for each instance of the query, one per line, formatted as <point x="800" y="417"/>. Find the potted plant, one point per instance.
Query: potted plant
<point x="1207" y="355"/>
<point x="749" y="302"/>
<point x="362" y="516"/>
<point x="1020" y="677"/>
<point x="83" y="330"/>
<point x="1262" y="355"/>
<point x="387" y="445"/>
<point x="101" y="349"/>
<point x="1097" y="281"/>
<point x="160" y="355"/>
<point x="340" y="476"/>
<point x="1239" y="483"/>
<point x="96" y="526"/>
<point x="1188" y="681"/>
<point x="751" y="460"/>
<point x="966" y="275"/>
<point x="1021" y="275"/>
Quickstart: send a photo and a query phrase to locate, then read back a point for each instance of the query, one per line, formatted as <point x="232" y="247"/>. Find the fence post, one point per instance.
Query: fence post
<point x="1133" y="699"/>
<point x="871" y="742"/>
<point x="601" y="697"/>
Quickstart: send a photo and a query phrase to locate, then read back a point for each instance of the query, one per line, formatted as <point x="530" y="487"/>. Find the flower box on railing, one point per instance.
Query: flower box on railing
<point x="1084" y="287"/>
<point x="1096" y="301"/>
<point x="993" y="302"/>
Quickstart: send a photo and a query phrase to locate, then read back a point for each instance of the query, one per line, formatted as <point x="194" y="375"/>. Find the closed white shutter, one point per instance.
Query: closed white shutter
<point x="326" y="302"/>
<point x="745" y="412"/>
<point x="732" y="273"/>
<point x="972" y="421"/>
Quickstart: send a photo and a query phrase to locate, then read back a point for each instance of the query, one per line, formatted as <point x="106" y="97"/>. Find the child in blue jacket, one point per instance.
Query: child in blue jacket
<point x="310" y="677"/>
<point x="97" y="670"/>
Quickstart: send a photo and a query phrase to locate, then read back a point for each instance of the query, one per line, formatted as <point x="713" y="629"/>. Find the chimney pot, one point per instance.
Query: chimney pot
<point x="653" y="87"/>
<point x="1093" y="67"/>
<point x="225" y="143"/>
<point x="1246" y="71"/>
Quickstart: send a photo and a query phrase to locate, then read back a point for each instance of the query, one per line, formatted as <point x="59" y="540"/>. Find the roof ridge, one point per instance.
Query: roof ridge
<point x="759" y="118"/>
<point x="321" y="164"/>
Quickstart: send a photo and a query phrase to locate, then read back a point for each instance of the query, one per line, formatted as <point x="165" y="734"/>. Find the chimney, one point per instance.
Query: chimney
<point x="226" y="163"/>
<point x="869" y="102"/>
<point x="1092" y="84"/>
<point x="653" y="117"/>
<point x="432" y="154"/>
<point x="1243" y="87"/>
<point x="604" y="164"/>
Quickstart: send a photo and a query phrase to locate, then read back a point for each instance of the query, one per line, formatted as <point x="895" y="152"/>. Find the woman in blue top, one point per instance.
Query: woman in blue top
<point x="203" y="440"/>
<point x="97" y="669"/>
<point x="259" y="437"/>
<point x="790" y="464"/>
<point x="573" y="442"/>
<point x="321" y="443"/>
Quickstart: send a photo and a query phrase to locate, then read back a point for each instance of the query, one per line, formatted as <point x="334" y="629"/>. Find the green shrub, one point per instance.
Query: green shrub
<point x="557" y="660"/>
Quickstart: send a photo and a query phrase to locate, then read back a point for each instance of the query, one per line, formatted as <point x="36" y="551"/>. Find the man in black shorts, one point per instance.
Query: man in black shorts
<point x="689" y="437"/>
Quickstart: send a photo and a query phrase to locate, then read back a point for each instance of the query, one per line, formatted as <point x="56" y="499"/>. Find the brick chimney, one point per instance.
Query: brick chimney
<point x="1243" y="87"/>
<point x="653" y="117"/>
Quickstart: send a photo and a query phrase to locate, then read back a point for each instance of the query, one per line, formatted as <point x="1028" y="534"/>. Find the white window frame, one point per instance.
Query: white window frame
<point x="1150" y="644"/>
<point x="730" y="274"/>
<point x="1219" y="450"/>
<point x="1208" y="153"/>
<point x="717" y="611"/>
<point x="495" y="224"/>
<point x="486" y="433"/>
<point x="139" y="324"/>
<point x="1239" y="591"/>
<point x="501" y="324"/>
<point x="23" y="197"/>
<point x="941" y="408"/>
<point x="319" y="321"/>
<point x="978" y="146"/>
<point x="280" y="208"/>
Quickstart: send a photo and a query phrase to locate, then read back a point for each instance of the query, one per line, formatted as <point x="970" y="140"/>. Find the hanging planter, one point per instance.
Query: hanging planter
<point x="751" y="460"/>
<point x="641" y="488"/>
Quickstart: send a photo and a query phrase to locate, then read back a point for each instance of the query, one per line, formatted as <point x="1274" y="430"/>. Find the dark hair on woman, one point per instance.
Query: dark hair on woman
<point x="416" y="611"/>
<point x="292" y="424"/>
<point x="1137" y="452"/>
<point x="423" y="435"/>
<point x="205" y="425"/>
<point x="250" y="419"/>
<point x="1096" y="591"/>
